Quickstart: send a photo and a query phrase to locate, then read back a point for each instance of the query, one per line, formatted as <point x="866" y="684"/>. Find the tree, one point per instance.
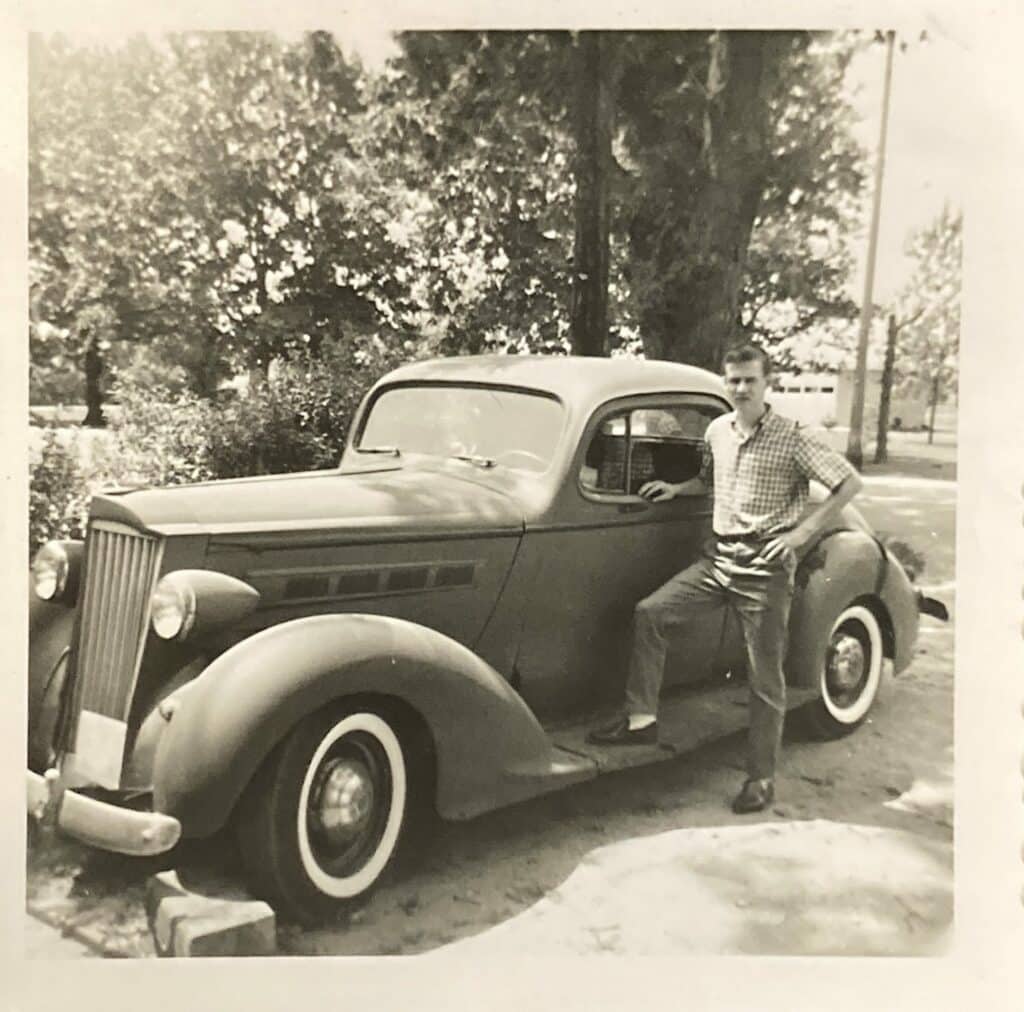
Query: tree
<point x="213" y="194"/>
<point x="281" y="235"/>
<point x="715" y="174"/>
<point x="89" y="271"/>
<point x="701" y="182"/>
<point x="929" y="350"/>
<point x="488" y="118"/>
<point x="746" y="179"/>
<point x="892" y="330"/>
<point x="540" y="191"/>
<point x="593" y="116"/>
<point x="799" y="259"/>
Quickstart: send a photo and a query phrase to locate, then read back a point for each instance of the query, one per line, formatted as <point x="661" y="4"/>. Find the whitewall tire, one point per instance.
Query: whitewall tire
<point x="850" y="673"/>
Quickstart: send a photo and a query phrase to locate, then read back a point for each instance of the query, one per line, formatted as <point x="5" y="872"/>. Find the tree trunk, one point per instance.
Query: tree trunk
<point x="885" y="397"/>
<point x="93" y="391"/>
<point x="593" y="129"/>
<point x="210" y="363"/>
<point x="932" y="406"/>
<point x="696" y="247"/>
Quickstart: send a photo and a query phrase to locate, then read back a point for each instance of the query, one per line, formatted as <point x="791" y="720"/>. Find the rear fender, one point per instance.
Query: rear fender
<point x="489" y="748"/>
<point x="841" y="567"/>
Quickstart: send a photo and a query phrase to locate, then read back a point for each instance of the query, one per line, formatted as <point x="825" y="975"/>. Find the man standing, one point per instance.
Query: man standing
<point x="762" y="464"/>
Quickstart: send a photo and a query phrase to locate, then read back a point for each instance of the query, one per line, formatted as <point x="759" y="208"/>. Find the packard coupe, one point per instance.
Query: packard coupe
<point x="311" y="659"/>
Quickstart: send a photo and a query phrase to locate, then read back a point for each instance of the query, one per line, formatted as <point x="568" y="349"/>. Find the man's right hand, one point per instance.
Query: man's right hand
<point x="658" y="491"/>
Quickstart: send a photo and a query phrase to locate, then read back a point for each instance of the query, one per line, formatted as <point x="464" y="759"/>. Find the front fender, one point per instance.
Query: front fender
<point x="841" y="567"/>
<point x="51" y="625"/>
<point x="490" y="749"/>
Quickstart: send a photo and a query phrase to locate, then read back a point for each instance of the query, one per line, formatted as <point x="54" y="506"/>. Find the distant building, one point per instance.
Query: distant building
<point x="826" y="399"/>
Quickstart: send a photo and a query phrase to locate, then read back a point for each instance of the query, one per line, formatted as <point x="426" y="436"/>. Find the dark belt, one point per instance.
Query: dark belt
<point x="753" y="538"/>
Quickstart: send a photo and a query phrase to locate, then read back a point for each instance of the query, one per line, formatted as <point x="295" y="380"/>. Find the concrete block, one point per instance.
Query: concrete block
<point x="159" y="887"/>
<point x="185" y="923"/>
<point x="232" y="930"/>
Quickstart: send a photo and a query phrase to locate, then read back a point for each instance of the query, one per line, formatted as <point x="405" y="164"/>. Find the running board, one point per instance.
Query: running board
<point x="687" y="720"/>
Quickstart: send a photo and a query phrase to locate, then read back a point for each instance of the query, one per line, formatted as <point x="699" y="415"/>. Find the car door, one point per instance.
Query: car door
<point x="603" y="548"/>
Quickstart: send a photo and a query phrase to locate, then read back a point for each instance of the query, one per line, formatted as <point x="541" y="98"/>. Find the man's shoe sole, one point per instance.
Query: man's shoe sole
<point x="644" y="736"/>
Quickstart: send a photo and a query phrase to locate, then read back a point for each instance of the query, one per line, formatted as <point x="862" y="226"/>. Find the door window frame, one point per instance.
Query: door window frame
<point x="627" y="405"/>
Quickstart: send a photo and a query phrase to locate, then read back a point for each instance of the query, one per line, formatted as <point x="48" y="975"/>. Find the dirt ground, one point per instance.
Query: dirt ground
<point x="843" y="810"/>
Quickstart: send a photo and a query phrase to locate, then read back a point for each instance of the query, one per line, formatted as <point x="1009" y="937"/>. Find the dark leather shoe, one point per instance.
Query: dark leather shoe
<point x="618" y="733"/>
<point x="755" y="796"/>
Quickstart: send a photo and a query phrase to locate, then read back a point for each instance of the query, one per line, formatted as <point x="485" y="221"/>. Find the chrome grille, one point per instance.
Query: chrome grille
<point x="121" y="568"/>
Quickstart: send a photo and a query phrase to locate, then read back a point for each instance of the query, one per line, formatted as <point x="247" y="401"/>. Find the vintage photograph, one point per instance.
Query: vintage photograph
<point x="493" y="491"/>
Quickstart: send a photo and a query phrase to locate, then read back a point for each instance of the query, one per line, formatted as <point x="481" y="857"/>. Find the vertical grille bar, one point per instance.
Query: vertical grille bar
<point x="87" y="620"/>
<point x="107" y="643"/>
<point x="125" y="560"/>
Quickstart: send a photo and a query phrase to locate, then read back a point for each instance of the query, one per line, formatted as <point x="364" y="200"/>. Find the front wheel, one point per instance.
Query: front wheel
<point x="851" y="674"/>
<point x="321" y="821"/>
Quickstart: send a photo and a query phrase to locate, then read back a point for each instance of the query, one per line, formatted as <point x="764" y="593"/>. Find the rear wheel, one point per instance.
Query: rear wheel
<point x="850" y="675"/>
<point x="321" y="821"/>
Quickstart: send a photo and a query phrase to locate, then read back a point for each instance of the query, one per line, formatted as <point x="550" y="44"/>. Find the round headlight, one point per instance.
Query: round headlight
<point x="50" y="571"/>
<point x="173" y="607"/>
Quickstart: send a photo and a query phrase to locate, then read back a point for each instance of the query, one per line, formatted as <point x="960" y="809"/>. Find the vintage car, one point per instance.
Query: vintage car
<point x="312" y="658"/>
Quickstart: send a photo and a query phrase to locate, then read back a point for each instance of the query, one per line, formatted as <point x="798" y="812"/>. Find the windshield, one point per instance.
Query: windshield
<point x="482" y="425"/>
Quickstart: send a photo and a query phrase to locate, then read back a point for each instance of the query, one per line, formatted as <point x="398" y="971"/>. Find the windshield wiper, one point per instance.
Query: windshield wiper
<point x="391" y="451"/>
<point x="471" y="459"/>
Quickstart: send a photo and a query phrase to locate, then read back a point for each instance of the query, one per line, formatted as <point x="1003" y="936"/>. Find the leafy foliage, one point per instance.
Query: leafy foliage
<point x="746" y="182"/>
<point x="487" y="115"/>
<point x="799" y="260"/>
<point x="90" y="150"/>
<point x="929" y="343"/>
<point x="215" y="203"/>
<point x="205" y="203"/>
<point x="58" y="494"/>
<point x="298" y="420"/>
<point x="159" y="438"/>
<point x="912" y="561"/>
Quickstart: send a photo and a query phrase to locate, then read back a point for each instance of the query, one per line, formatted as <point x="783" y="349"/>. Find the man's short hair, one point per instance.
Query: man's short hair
<point x="748" y="353"/>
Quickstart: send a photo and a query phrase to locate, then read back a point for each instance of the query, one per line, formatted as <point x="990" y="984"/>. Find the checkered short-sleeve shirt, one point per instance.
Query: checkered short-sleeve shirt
<point x="761" y="481"/>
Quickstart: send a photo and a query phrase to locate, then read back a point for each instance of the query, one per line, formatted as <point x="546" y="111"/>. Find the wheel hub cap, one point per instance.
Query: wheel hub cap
<point x="344" y="804"/>
<point x="846" y="662"/>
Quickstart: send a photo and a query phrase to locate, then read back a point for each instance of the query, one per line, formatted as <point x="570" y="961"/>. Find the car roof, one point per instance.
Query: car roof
<point x="579" y="381"/>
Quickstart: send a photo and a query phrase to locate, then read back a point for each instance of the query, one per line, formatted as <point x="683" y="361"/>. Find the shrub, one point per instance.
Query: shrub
<point x="145" y="368"/>
<point x="907" y="556"/>
<point x="58" y="492"/>
<point x="297" y="421"/>
<point x="49" y="384"/>
<point x="158" y="438"/>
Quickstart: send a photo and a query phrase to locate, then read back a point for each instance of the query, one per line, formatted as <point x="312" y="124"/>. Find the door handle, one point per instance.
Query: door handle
<point x="632" y="507"/>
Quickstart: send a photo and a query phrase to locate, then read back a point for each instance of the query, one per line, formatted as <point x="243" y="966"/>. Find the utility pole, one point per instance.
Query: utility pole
<point x="885" y="399"/>
<point x="854" y="446"/>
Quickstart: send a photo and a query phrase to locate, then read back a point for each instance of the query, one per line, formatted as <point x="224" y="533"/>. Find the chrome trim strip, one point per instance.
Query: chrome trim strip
<point x="624" y="520"/>
<point x="355" y="537"/>
<point x="377" y="567"/>
<point x="375" y="526"/>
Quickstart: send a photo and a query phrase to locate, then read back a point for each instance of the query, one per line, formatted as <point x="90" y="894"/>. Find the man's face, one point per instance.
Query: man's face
<point x="747" y="383"/>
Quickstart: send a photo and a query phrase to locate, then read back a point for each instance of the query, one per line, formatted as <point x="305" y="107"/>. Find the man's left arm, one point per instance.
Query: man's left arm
<point x="819" y="462"/>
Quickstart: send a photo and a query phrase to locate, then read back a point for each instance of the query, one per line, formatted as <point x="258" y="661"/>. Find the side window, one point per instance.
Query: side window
<point x="634" y="447"/>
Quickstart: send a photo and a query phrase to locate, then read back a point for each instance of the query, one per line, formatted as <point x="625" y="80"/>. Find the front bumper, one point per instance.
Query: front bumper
<point x="98" y="823"/>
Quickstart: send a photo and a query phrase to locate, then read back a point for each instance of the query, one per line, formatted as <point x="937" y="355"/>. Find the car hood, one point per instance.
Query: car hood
<point x="394" y="497"/>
